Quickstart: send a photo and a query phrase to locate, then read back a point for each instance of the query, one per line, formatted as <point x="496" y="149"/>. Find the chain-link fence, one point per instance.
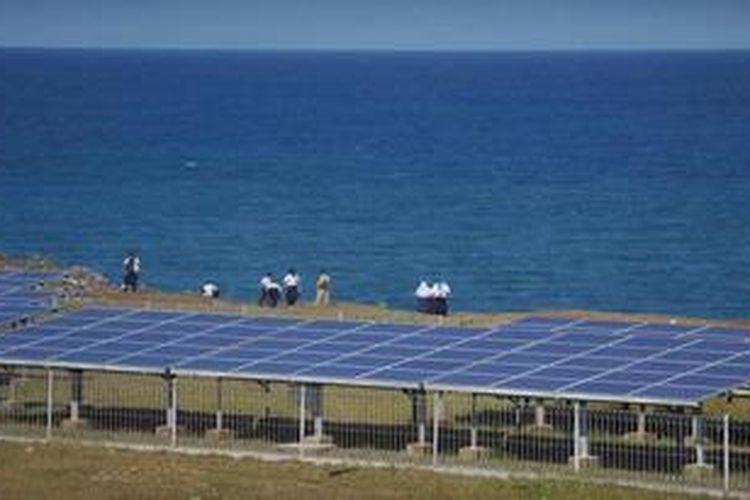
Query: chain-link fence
<point x="603" y="442"/>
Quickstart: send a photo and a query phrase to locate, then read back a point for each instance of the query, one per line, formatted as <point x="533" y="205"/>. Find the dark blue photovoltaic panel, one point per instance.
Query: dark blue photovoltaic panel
<point x="730" y="333"/>
<point x="675" y="392"/>
<point x="568" y="373"/>
<point x="459" y="354"/>
<point x="332" y="325"/>
<point x="540" y="357"/>
<point x="464" y="379"/>
<point x="87" y="356"/>
<point x="622" y="352"/>
<point x="304" y="358"/>
<point x="398" y="375"/>
<point x="211" y="364"/>
<point x="728" y="370"/>
<point x="533" y="384"/>
<point x="151" y="361"/>
<point x="368" y="362"/>
<point x="502" y="370"/>
<point x="689" y="355"/>
<point x="334" y="371"/>
<point x="658" y="365"/>
<point x="710" y="382"/>
<point x="603" y="388"/>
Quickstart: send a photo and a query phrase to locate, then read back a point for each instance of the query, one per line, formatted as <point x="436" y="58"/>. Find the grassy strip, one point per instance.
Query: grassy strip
<point x="74" y="472"/>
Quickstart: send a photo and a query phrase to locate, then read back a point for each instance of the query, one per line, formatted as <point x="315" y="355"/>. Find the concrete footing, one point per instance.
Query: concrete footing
<point x="72" y="425"/>
<point x="640" y="437"/>
<point x="308" y="446"/>
<point x="319" y="439"/>
<point x="418" y="449"/>
<point x="165" y="431"/>
<point x="473" y="453"/>
<point x="218" y="435"/>
<point x="698" y="470"/>
<point x="587" y="462"/>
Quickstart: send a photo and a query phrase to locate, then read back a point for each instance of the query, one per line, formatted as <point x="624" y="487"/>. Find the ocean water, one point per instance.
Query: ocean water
<point x="602" y="181"/>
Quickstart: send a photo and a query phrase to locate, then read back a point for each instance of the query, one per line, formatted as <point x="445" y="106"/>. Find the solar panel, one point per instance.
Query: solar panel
<point x="534" y="357"/>
<point x="19" y="298"/>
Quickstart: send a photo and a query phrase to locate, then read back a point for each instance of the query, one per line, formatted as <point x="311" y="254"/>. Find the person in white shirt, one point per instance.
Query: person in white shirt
<point x="424" y="295"/>
<point x="291" y="287"/>
<point x="274" y="293"/>
<point x="442" y="292"/>
<point x="131" y="268"/>
<point x="210" y="289"/>
<point x="265" y="283"/>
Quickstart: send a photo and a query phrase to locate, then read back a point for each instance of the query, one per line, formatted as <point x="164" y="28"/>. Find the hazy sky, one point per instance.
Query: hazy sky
<point x="378" y="24"/>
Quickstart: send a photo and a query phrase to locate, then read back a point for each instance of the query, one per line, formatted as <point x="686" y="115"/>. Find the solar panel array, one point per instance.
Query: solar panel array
<point x="532" y="357"/>
<point x="19" y="297"/>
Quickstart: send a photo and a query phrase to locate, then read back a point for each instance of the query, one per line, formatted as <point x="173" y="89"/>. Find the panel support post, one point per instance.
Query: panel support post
<point x="539" y="414"/>
<point x="76" y="394"/>
<point x="699" y="468"/>
<point x="219" y="433"/>
<point x="219" y="405"/>
<point x="576" y="436"/>
<point x="726" y="454"/>
<point x="173" y="410"/>
<point x="302" y="404"/>
<point x="74" y="421"/>
<point x="50" y="396"/>
<point x="474" y="438"/>
<point x="582" y="458"/>
<point x="473" y="452"/>
<point x="437" y="412"/>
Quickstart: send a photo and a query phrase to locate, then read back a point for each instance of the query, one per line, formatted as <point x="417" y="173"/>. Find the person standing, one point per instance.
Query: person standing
<point x="322" y="288"/>
<point x="131" y="269"/>
<point x="210" y="289"/>
<point x="291" y="287"/>
<point x="425" y="298"/>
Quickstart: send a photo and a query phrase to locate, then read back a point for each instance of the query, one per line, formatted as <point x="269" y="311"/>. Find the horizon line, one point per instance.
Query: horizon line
<point x="438" y="50"/>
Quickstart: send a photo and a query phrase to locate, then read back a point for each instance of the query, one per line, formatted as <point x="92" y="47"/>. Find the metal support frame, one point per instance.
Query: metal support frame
<point x="437" y="412"/>
<point x="302" y="404"/>
<point x="474" y="438"/>
<point x="697" y="437"/>
<point x="76" y="394"/>
<point x="576" y="436"/>
<point x="419" y="414"/>
<point x="641" y="431"/>
<point x="727" y="470"/>
<point x="539" y="413"/>
<point x="219" y="405"/>
<point x="173" y="410"/>
<point x="50" y="405"/>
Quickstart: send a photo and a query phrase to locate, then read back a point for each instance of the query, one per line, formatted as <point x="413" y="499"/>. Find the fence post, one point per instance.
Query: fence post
<point x="50" y="396"/>
<point x="436" y="414"/>
<point x="576" y="436"/>
<point x="302" y="404"/>
<point x="219" y="406"/>
<point x="173" y="410"/>
<point x="726" y="454"/>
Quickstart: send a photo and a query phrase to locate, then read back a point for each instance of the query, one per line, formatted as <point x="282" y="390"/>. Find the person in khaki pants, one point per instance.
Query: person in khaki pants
<point x="322" y="288"/>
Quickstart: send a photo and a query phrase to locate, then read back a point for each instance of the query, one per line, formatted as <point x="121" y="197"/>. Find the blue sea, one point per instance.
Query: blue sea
<point x="529" y="181"/>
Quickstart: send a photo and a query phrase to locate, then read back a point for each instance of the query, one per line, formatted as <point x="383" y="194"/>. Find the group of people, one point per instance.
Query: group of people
<point x="433" y="298"/>
<point x="271" y="291"/>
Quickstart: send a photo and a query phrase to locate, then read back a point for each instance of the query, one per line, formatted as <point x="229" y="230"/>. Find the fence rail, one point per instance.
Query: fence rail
<point x="604" y="443"/>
